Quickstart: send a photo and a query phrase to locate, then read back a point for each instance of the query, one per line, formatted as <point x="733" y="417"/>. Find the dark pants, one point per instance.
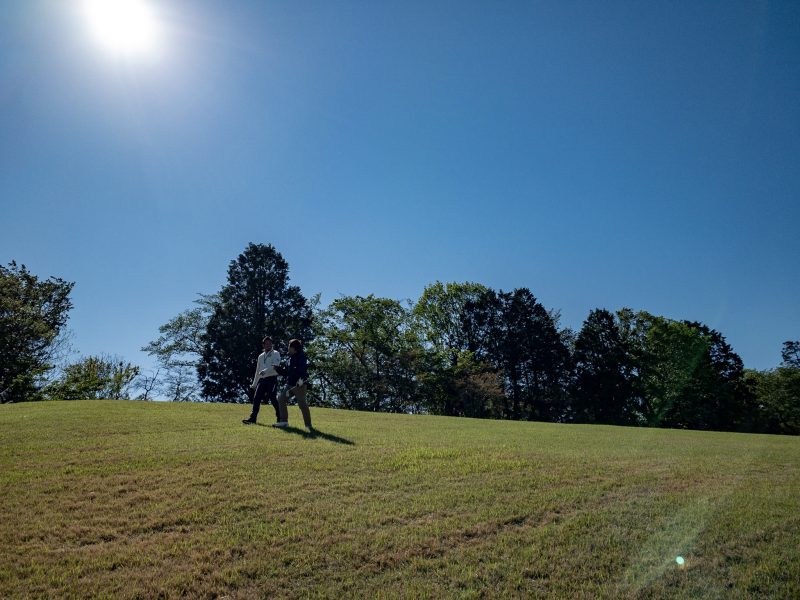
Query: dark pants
<point x="267" y="386"/>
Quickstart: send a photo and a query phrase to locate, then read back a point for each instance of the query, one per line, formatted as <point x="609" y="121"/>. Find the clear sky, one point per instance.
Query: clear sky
<point x="602" y="154"/>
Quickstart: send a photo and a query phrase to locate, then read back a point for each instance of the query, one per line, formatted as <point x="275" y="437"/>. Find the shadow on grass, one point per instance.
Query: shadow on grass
<point x="317" y="434"/>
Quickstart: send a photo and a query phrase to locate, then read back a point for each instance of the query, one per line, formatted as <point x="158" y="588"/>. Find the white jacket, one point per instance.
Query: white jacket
<point x="266" y="363"/>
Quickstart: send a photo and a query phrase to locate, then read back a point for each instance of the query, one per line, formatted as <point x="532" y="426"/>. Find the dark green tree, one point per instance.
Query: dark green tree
<point x="777" y="398"/>
<point x="482" y="325"/>
<point x="94" y="378"/>
<point x="514" y="333"/>
<point x="717" y="393"/>
<point x="537" y="362"/>
<point x="603" y="388"/>
<point x="33" y="313"/>
<point x="687" y="375"/>
<point x="777" y="393"/>
<point x="256" y="301"/>
<point x="666" y="354"/>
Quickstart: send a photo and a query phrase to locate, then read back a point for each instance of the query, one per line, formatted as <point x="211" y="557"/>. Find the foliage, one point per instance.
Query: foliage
<point x="365" y="355"/>
<point x="452" y="381"/>
<point x="256" y="301"/>
<point x="179" y="383"/>
<point x="179" y="351"/>
<point x="464" y="387"/>
<point x="92" y="378"/>
<point x="603" y="387"/>
<point x="33" y="313"/>
<point x="790" y="353"/>
<point x="687" y="375"/>
<point x="515" y="334"/>
<point x="467" y="350"/>
<point x="439" y="315"/>
<point x="182" y="338"/>
<point x="210" y="349"/>
<point x="777" y="395"/>
<point x="718" y="395"/>
<point x="672" y="353"/>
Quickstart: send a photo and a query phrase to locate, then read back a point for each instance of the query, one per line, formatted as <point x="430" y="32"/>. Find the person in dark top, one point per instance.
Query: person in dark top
<point x="296" y="385"/>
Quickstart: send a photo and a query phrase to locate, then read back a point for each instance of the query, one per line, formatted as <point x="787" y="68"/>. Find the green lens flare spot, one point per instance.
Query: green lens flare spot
<point x="680" y="561"/>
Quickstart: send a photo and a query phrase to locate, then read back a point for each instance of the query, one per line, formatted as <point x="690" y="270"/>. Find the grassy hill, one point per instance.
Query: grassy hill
<point x="144" y="500"/>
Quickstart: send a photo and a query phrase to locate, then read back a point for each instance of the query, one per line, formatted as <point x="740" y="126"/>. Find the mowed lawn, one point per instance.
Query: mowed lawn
<point x="122" y="499"/>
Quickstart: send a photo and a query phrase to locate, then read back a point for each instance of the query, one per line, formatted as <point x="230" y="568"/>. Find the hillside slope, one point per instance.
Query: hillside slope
<point x="141" y="500"/>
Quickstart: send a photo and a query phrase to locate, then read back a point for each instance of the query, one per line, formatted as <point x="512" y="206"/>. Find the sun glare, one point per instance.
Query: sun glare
<point x="124" y="27"/>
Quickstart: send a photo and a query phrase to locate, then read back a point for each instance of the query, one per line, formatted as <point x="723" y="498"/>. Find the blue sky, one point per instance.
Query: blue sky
<point x="606" y="154"/>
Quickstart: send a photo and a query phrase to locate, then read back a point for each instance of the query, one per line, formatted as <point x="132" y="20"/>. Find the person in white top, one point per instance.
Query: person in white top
<point x="265" y="381"/>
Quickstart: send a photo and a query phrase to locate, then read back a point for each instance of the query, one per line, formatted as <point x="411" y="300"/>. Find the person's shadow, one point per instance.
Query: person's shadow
<point x="317" y="434"/>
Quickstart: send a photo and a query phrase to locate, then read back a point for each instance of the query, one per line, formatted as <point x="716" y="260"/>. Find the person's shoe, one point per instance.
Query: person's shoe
<point x="248" y="422"/>
<point x="280" y="424"/>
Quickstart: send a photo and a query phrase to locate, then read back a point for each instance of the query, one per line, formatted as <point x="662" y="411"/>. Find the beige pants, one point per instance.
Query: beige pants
<point x="299" y="393"/>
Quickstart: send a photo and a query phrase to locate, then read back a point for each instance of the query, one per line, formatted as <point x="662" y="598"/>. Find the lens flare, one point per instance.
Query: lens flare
<point x="680" y="561"/>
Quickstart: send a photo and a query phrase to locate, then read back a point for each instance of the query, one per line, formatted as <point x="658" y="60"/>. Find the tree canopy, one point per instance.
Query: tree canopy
<point x="94" y="378"/>
<point x="468" y="350"/>
<point x="256" y="301"/>
<point x="33" y="313"/>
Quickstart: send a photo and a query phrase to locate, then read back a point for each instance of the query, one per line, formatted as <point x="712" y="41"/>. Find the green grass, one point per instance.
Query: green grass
<point x="146" y="500"/>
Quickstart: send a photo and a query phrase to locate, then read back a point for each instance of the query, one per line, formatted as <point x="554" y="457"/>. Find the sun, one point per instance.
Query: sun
<point x="126" y="28"/>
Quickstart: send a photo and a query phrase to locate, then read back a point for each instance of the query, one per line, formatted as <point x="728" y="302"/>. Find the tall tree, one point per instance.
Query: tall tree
<point x="535" y="352"/>
<point x="33" y="313"/>
<point x="452" y="381"/>
<point x="687" y="375"/>
<point x="520" y="338"/>
<point x="256" y="301"/>
<point x="482" y="325"/>
<point x="672" y="353"/>
<point x="365" y="355"/>
<point x="603" y="390"/>
<point x="439" y="314"/>
<point x="717" y="392"/>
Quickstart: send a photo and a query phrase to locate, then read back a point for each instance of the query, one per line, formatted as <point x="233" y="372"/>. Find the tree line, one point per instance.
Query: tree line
<point x="461" y="349"/>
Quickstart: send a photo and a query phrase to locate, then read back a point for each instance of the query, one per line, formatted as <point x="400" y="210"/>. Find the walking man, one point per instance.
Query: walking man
<point x="265" y="381"/>
<point x="297" y="375"/>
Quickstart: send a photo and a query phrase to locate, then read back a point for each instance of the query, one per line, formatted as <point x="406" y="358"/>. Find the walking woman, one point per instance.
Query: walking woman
<point x="297" y="377"/>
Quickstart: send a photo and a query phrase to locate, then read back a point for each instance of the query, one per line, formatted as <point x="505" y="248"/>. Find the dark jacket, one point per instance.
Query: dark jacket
<point x="298" y="368"/>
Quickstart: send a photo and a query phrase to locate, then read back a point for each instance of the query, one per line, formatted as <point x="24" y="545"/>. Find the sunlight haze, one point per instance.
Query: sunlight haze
<point x="124" y="27"/>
